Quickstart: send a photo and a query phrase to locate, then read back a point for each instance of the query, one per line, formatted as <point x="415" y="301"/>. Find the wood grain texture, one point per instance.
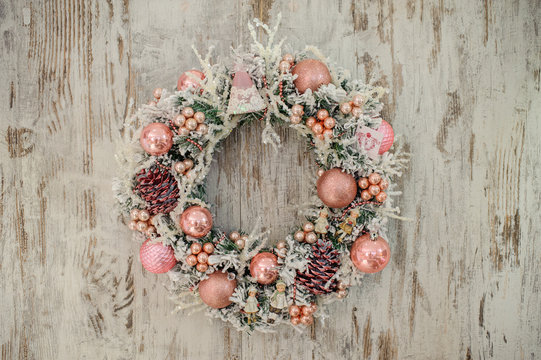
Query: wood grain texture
<point x="464" y="79"/>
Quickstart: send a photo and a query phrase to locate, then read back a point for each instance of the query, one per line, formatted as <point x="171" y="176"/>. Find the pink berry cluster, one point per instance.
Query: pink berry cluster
<point x="287" y="62"/>
<point x="355" y="106"/>
<point x="373" y="186"/>
<point x="307" y="234"/>
<point x="302" y="314"/>
<point x="322" y="125"/>
<point x="142" y="222"/>
<point x="199" y="256"/>
<point x="188" y="120"/>
<point x="183" y="167"/>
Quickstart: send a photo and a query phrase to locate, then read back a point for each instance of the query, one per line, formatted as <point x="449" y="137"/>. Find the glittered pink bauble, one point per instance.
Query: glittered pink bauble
<point x="196" y="221"/>
<point x="217" y="289"/>
<point x="156" y="139"/>
<point x="336" y="189"/>
<point x="157" y="258"/>
<point x="370" y="256"/>
<point x="311" y="75"/>
<point x="264" y="268"/>
<point x="186" y="81"/>
<point x="388" y="136"/>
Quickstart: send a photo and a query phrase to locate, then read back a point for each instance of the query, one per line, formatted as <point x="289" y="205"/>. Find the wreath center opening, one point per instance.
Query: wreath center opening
<point x="249" y="181"/>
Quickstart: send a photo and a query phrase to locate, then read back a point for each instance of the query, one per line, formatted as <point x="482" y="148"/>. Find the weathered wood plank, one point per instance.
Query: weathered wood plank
<point x="464" y="82"/>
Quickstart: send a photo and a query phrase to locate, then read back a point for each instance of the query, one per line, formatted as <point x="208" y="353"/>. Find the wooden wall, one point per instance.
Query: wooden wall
<point x="464" y="78"/>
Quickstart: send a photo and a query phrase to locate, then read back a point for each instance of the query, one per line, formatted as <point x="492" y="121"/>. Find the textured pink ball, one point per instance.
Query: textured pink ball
<point x="264" y="268"/>
<point x="217" y="289"/>
<point x="185" y="81"/>
<point x="311" y="75"/>
<point x="388" y="136"/>
<point x="156" y="258"/>
<point x="156" y="139"/>
<point x="370" y="256"/>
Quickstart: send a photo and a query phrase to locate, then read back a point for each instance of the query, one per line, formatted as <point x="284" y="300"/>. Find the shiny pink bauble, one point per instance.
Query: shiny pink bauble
<point x="196" y="221"/>
<point x="185" y="81"/>
<point x="370" y="256"/>
<point x="156" y="139"/>
<point x="311" y="75"/>
<point x="264" y="268"/>
<point x="388" y="136"/>
<point x="157" y="258"/>
<point x="217" y="289"/>
<point x="336" y="189"/>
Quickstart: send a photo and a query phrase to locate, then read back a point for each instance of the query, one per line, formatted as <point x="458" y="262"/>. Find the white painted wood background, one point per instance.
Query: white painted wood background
<point x="464" y="77"/>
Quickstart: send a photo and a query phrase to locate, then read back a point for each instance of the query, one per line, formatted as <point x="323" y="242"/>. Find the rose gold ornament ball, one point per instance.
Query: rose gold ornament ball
<point x="156" y="139"/>
<point x="307" y="320"/>
<point x="370" y="256"/>
<point x="201" y="267"/>
<point x="195" y="248"/>
<point x="208" y="248"/>
<point x="308" y="226"/>
<point x="196" y="221"/>
<point x="374" y="178"/>
<point x="310" y="237"/>
<point x="381" y="197"/>
<point x="263" y="268"/>
<point x="295" y="320"/>
<point x="311" y="74"/>
<point x="217" y="289"/>
<point x="363" y="183"/>
<point x="191" y="260"/>
<point x="310" y="121"/>
<point x="306" y="310"/>
<point x="185" y="81"/>
<point x="294" y="310"/>
<point x="365" y="195"/>
<point x="336" y="189"/>
<point x="299" y="236"/>
<point x="202" y="258"/>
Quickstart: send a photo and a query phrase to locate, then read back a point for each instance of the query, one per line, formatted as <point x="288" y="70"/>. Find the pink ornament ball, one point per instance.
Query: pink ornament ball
<point x="264" y="268"/>
<point x="156" y="139"/>
<point x="388" y="136"/>
<point x="157" y="258"/>
<point x="186" y="81"/>
<point x="370" y="256"/>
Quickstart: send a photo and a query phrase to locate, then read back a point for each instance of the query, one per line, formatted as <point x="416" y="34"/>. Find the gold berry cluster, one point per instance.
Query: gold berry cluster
<point x="182" y="167"/>
<point x="141" y="221"/>
<point x="342" y="290"/>
<point x="373" y="186"/>
<point x="307" y="234"/>
<point x="199" y="256"/>
<point x="321" y="125"/>
<point x="355" y="107"/>
<point x="287" y="62"/>
<point x="281" y="249"/>
<point x="188" y="121"/>
<point x="302" y="314"/>
<point x="238" y="239"/>
<point x="157" y="95"/>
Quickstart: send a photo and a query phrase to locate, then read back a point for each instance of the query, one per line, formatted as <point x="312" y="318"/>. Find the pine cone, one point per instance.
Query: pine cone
<point x="324" y="262"/>
<point x="159" y="188"/>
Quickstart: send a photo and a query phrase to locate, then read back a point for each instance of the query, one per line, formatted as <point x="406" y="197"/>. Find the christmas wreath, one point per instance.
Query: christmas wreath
<point x="240" y="277"/>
